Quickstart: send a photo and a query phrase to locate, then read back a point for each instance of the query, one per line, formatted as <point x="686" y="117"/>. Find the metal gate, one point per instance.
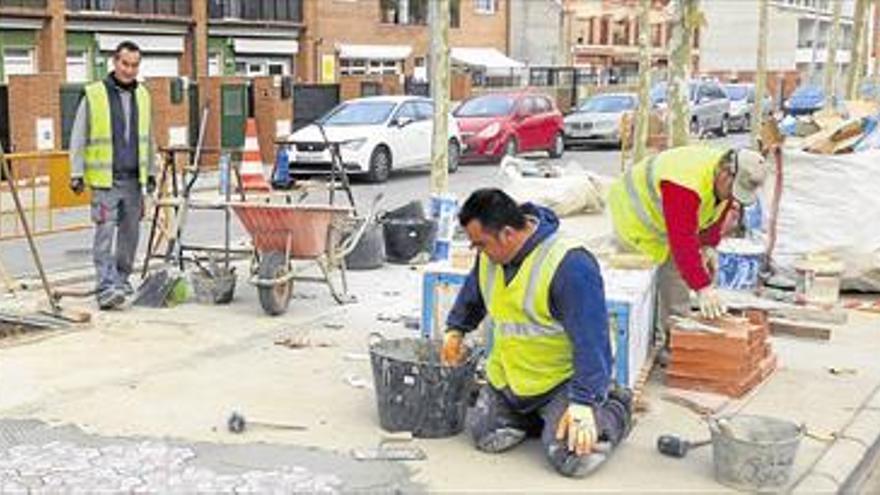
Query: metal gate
<point x="311" y="101"/>
<point x="70" y="96"/>
<point x="417" y="88"/>
<point x="233" y="114"/>
<point x="4" y="117"/>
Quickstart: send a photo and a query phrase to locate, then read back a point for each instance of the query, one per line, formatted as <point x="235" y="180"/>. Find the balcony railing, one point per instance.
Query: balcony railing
<point x="24" y="4"/>
<point x="257" y="10"/>
<point x="181" y="8"/>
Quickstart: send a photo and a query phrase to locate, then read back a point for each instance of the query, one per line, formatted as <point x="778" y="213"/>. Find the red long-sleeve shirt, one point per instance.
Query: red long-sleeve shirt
<point x="681" y="208"/>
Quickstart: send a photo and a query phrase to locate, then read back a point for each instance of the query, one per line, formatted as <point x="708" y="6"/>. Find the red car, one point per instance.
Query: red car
<point x="499" y="124"/>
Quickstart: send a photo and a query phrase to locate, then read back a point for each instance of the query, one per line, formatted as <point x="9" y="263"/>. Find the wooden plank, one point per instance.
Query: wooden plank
<point x="799" y="329"/>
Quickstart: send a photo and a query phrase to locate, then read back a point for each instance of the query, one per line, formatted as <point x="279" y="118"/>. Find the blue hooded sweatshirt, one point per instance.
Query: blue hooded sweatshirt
<point x="577" y="301"/>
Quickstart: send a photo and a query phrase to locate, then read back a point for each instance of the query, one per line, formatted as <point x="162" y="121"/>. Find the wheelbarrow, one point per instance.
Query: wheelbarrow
<point x="284" y="233"/>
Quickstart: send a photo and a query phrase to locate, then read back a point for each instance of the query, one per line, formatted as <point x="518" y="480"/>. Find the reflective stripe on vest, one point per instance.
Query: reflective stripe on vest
<point x="98" y="153"/>
<point x="531" y="353"/>
<point x="638" y="207"/>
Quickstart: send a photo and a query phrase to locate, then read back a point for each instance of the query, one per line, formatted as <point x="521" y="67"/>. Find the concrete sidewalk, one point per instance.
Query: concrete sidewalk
<point x="173" y="375"/>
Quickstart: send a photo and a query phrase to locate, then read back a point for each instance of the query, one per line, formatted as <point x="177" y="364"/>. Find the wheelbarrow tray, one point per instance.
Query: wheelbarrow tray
<point x="303" y="229"/>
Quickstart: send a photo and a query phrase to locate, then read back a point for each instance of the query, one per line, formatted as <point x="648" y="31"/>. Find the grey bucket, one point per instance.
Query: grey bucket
<point x="754" y="453"/>
<point x="415" y="392"/>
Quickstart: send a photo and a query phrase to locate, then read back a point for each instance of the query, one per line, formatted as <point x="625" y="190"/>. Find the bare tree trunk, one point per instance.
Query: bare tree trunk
<point x="814" y="55"/>
<point x="440" y="90"/>
<point x="761" y="71"/>
<point x="679" y="72"/>
<point x="876" y="71"/>
<point x="830" y="83"/>
<point x="854" y="73"/>
<point x="644" y="110"/>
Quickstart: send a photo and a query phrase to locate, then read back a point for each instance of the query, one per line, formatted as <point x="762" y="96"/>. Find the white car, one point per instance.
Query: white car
<point x="376" y="135"/>
<point x="598" y="119"/>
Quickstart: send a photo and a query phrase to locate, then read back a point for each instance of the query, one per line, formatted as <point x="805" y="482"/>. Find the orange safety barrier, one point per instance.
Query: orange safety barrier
<point x="43" y="179"/>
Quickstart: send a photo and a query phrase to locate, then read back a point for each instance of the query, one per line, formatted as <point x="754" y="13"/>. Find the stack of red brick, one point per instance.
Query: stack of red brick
<point x="731" y="361"/>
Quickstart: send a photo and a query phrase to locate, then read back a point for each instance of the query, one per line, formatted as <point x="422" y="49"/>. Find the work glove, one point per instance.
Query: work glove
<point x="77" y="185"/>
<point x="578" y="427"/>
<point x="711" y="306"/>
<point x="453" y="349"/>
<point x="151" y="184"/>
<point x="710" y="261"/>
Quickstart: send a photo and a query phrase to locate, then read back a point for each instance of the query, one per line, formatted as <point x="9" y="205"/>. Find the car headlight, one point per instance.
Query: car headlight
<point x="490" y="131"/>
<point x="606" y="124"/>
<point x="353" y="144"/>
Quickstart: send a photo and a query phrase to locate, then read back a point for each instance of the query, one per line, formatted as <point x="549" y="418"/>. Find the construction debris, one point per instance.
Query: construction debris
<point x="799" y="329"/>
<point x="831" y="132"/>
<point x="730" y="360"/>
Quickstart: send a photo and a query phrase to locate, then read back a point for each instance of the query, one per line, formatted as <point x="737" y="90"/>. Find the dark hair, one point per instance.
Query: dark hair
<point x="129" y="46"/>
<point x="494" y="209"/>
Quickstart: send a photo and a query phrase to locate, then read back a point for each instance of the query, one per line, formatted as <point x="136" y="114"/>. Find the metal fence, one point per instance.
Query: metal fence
<point x="144" y="7"/>
<point x="50" y="207"/>
<point x="256" y="10"/>
<point x="26" y="4"/>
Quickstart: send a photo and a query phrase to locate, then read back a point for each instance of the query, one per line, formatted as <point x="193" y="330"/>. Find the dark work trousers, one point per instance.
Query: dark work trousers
<point x="116" y="212"/>
<point x="496" y="426"/>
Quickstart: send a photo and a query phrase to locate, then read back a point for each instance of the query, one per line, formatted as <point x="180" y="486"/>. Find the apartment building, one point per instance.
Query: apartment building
<point x="799" y="31"/>
<point x="603" y="37"/>
<point x="392" y="38"/>
<point x="179" y="37"/>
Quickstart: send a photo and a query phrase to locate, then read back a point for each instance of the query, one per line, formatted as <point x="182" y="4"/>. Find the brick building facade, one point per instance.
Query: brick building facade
<point x="49" y="45"/>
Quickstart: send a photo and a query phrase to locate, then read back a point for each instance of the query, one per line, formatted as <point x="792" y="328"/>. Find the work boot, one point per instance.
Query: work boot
<point x="126" y="288"/>
<point x="110" y="299"/>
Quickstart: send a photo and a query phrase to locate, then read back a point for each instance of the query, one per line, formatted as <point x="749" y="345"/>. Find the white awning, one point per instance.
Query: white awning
<point x="148" y="43"/>
<point x="265" y="46"/>
<point x="374" y="52"/>
<point x="490" y="58"/>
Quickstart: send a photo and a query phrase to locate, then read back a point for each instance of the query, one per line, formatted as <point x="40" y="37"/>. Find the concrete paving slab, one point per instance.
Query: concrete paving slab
<point x="177" y="374"/>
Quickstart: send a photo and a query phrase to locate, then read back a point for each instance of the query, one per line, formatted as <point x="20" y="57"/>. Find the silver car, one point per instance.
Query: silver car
<point x="708" y="104"/>
<point x="742" y="105"/>
<point x="597" y="119"/>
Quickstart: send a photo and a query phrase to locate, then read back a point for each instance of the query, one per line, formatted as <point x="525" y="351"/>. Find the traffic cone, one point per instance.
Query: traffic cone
<point x="251" y="171"/>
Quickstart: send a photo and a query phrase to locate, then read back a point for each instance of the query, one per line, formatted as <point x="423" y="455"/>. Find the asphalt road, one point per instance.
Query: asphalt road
<point x="71" y="251"/>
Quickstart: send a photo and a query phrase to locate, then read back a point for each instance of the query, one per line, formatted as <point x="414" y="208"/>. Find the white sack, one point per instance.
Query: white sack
<point x="568" y="194"/>
<point x="830" y="204"/>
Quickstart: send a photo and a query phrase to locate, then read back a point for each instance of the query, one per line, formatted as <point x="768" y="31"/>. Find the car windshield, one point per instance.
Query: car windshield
<point x="737" y="92"/>
<point x="359" y="113"/>
<point x="658" y="93"/>
<point x="485" y="106"/>
<point x="607" y="104"/>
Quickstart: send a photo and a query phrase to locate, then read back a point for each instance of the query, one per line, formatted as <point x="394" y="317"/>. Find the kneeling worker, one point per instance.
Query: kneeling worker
<point x="549" y="367"/>
<point x="675" y="203"/>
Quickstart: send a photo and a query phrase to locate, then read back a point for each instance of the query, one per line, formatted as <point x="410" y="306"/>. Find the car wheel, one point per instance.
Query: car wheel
<point x="454" y="155"/>
<point x="511" y="148"/>
<point x="725" y="126"/>
<point x="695" y="128"/>
<point x="380" y="165"/>
<point x="558" y="146"/>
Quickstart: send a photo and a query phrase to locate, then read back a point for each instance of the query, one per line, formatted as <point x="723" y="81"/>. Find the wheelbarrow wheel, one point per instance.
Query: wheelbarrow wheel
<point x="274" y="299"/>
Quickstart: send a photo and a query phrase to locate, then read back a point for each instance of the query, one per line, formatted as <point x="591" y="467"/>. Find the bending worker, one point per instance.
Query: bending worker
<point x="549" y="368"/>
<point x="675" y="203"/>
<point x="111" y="152"/>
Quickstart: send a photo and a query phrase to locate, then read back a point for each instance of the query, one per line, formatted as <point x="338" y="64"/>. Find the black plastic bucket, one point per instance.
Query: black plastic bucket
<point x="369" y="252"/>
<point x="406" y="238"/>
<point x="414" y="392"/>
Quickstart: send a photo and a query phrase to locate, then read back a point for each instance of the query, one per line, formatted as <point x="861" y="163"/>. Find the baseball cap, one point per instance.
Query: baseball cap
<point x="750" y="172"/>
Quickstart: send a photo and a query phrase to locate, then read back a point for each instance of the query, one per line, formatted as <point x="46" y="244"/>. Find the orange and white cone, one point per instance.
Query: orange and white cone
<point x="252" y="178"/>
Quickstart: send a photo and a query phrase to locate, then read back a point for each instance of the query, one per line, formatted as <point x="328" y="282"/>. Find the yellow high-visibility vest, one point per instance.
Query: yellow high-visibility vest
<point x="637" y="207"/>
<point x="531" y="353"/>
<point x="98" y="153"/>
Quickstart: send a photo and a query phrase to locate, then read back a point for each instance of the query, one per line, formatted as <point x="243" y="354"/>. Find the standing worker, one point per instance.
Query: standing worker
<point x="675" y="203"/>
<point x="549" y="367"/>
<point x="111" y="152"/>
